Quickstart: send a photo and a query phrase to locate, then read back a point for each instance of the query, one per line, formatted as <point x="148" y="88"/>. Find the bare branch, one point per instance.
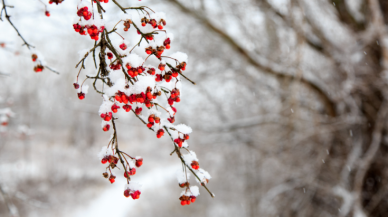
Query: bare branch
<point x="260" y="63"/>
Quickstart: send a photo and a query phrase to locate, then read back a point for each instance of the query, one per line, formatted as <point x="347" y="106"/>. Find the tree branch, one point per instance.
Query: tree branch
<point x="365" y="163"/>
<point x="10" y="22"/>
<point x="261" y="63"/>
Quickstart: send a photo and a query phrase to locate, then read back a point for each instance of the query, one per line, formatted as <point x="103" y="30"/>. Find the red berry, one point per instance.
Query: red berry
<point x="187" y="136"/>
<point x="47" y="13"/>
<point x="158" y="78"/>
<point x="118" y="98"/>
<point x="81" y="96"/>
<point x="126" y="193"/>
<point x="108" y="116"/>
<point x="138" y="110"/>
<point x="161" y="67"/>
<point x="149" y="125"/>
<point x="104" y="160"/>
<point x="183" y="202"/>
<point x="160" y="27"/>
<point x="124" y="99"/>
<point x="170" y="101"/>
<point x="174" y="74"/>
<point x="106" y="128"/>
<point x="160" y="133"/>
<point x="112" y="179"/>
<point x="168" y="46"/>
<point x="143" y="24"/>
<point x="76" y="86"/>
<point x="135" y="195"/>
<point x="193" y="199"/>
<point x="195" y="165"/>
<point x="127" y="108"/>
<point x="149" y="95"/>
<point x="178" y="141"/>
<point x="171" y="119"/>
<point x="114" y="108"/>
<point x="123" y="46"/>
<point x="167" y="42"/>
<point x="139" y="162"/>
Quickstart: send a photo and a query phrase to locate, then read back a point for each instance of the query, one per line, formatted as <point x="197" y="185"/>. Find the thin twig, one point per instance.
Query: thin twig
<point x="86" y="55"/>
<point x="177" y="70"/>
<point x="118" y="150"/>
<point x="110" y="46"/>
<point x="10" y="22"/>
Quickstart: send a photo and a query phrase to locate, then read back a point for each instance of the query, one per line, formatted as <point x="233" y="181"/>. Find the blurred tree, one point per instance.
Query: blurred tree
<point x="329" y="136"/>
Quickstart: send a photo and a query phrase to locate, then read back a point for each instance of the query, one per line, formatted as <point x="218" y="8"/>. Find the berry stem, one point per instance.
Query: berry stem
<point x="114" y="27"/>
<point x="179" y="71"/>
<point x="161" y="107"/>
<point x="141" y="8"/>
<point x="127" y="154"/>
<point x="29" y="46"/>
<point x="138" y="44"/>
<point x="86" y="55"/>
<point x="176" y="61"/>
<point x="111" y="47"/>
<point x="117" y="148"/>
<point x="146" y="59"/>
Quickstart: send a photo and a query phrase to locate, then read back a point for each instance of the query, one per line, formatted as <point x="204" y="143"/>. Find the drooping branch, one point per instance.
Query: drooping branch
<point x="141" y="8"/>
<point x="177" y="150"/>
<point x="261" y="64"/>
<point x="7" y="16"/>
<point x="118" y="150"/>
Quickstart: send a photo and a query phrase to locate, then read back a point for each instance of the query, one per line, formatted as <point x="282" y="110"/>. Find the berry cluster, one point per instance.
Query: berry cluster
<point x="181" y="139"/>
<point x="127" y="24"/>
<point x="190" y="194"/>
<point x="85" y="13"/>
<point x="186" y="200"/>
<point x="150" y="91"/>
<point x="93" y="30"/>
<point x="153" y="22"/>
<point x="131" y="189"/>
<point x="39" y="66"/>
<point x="83" y="26"/>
